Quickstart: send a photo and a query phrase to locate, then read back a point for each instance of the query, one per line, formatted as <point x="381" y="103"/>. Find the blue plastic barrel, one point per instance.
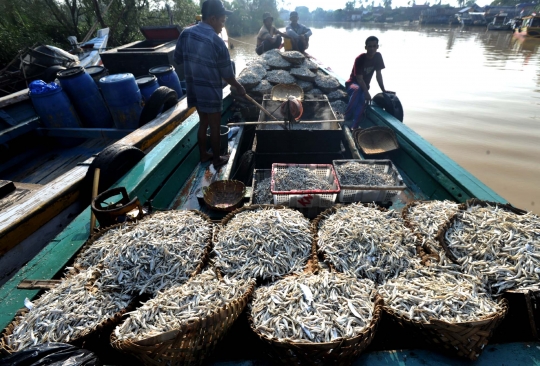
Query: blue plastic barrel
<point x="167" y="77"/>
<point x="54" y="107"/>
<point x="123" y="98"/>
<point x="85" y="95"/>
<point x="147" y="84"/>
<point x="97" y="72"/>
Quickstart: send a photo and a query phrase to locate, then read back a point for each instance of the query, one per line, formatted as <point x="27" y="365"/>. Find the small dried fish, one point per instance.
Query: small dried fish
<point x="302" y="71"/>
<point x="262" y="194"/>
<point x="326" y="82"/>
<point x="367" y="243"/>
<point x="69" y="311"/>
<point x="159" y="251"/>
<point x="200" y="297"/>
<point x="338" y="106"/>
<point x="337" y="95"/>
<point x="279" y="77"/>
<point x="500" y="245"/>
<point x="311" y="65"/>
<point x="313" y="308"/>
<point x="299" y="179"/>
<point x="357" y="174"/>
<point x="316" y="91"/>
<point x="263" y="88"/>
<point x="437" y="293"/>
<point x="274" y="59"/>
<point x="263" y="243"/>
<point x="305" y="85"/>
<point x="250" y="77"/>
<point x="427" y="218"/>
<point x="294" y="57"/>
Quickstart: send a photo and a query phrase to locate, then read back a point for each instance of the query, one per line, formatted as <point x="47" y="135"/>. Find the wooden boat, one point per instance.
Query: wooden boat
<point x="171" y="177"/>
<point x="529" y="28"/>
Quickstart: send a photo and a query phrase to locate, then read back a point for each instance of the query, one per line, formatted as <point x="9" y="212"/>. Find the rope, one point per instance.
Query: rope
<point x="236" y="40"/>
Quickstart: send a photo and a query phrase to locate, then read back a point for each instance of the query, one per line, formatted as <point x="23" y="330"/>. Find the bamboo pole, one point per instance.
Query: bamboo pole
<point x="94" y="195"/>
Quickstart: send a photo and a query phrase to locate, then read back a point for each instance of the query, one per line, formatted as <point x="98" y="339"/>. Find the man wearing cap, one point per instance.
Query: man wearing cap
<point x="268" y="37"/>
<point x="298" y="33"/>
<point x="206" y="62"/>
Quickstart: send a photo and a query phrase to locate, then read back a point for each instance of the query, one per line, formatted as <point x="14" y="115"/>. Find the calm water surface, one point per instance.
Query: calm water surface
<point x="473" y="94"/>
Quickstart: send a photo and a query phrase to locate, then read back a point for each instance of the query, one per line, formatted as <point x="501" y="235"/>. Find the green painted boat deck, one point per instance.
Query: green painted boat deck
<point x="171" y="174"/>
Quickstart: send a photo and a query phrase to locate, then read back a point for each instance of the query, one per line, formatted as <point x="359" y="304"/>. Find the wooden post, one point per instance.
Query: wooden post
<point x="94" y="195"/>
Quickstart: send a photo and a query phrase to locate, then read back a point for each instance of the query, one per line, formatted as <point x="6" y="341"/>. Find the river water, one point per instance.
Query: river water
<point x="473" y="94"/>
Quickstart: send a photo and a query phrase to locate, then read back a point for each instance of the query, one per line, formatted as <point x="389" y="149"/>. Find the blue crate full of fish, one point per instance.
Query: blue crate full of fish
<point x="304" y="185"/>
<point x="368" y="180"/>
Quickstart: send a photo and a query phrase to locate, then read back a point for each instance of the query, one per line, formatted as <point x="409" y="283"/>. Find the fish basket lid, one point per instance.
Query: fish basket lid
<point x="282" y="92"/>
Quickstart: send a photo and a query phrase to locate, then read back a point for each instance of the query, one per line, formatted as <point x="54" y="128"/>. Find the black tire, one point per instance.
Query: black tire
<point x="50" y="73"/>
<point x="162" y="97"/>
<point x="390" y="103"/>
<point x="114" y="161"/>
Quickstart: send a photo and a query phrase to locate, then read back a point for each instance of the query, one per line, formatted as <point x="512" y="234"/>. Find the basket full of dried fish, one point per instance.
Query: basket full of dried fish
<point x="304" y="185"/>
<point x="224" y="195"/>
<point x="72" y="312"/>
<point x="276" y="77"/>
<point x="497" y="242"/>
<point x="303" y="73"/>
<point x="183" y="324"/>
<point x="368" y="180"/>
<point x="316" y="319"/>
<point x="450" y="310"/>
<point x="261" y="194"/>
<point x="327" y="83"/>
<point x="161" y="250"/>
<point x="365" y="241"/>
<point x="294" y="57"/>
<point x="262" y="242"/>
<point x="426" y="218"/>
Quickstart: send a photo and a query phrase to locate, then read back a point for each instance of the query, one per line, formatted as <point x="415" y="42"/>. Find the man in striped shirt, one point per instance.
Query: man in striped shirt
<point x="207" y="62"/>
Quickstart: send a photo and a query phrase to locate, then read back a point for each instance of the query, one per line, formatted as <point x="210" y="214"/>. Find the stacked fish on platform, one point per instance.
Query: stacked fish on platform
<point x="367" y="242"/>
<point x="292" y="67"/>
<point x="264" y="243"/>
<point x="162" y="250"/>
<point x="262" y="194"/>
<point x="313" y="308"/>
<point x="438" y="293"/>
<point x="68" y="312"/>
<point x="501" y="246"/>
<point x="174" y="308"/>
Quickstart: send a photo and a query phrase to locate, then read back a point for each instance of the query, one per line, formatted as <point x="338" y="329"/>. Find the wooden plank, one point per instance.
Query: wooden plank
<point x="142" y="181"/>
<point x="38" y="284"/>
<point x="6" y="187"/>
<point x="90" y="133"/>
<point x="22" y="128"/>
<point x="14" y="98"/>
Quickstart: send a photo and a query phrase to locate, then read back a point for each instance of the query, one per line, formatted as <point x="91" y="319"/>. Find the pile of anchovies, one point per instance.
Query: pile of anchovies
<point x="367" y="243"/>
<point x="313" y="308"/>
<point x="298" y="57"/>
<point x="302" y="71"/>
<point x="327" y="82"/>
<point x="159" y="251"/>
<point x="299" y="179"/>
<point x="438" y="293"/>
<point x="69" y="311"/>
<point x="262" y="193"/>
<point x="200" y="297"/>
<point x="426" y="218"/>
<point x="280" y="77"/>
<point x="357" y="174"/>
<point x="263" y="243"/>
<point x="501" y="246"/>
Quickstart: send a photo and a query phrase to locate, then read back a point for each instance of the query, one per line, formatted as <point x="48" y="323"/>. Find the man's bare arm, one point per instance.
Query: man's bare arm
<point x="239" y="88"/>
<point x="380" y="80"/>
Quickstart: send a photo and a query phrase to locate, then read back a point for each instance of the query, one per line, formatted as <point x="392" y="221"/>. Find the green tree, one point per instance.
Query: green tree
<point x="303" y="13"/>
<point x="318" y="14"/>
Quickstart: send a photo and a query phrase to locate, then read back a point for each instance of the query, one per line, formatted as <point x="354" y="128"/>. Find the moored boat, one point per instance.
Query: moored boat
<point x="499" y="22"/>
<point x="529" y="28"/>
<point x="171" y="177"/>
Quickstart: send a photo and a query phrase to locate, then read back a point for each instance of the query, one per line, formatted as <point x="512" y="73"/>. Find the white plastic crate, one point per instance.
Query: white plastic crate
<point x="371" y="193"/>
<point x="307" y="198"/>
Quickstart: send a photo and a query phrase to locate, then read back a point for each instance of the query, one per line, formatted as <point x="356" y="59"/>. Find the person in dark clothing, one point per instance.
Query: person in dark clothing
<point x="207" y="63"/>
<point x="269" y="37"/>
<point x="364" y="67"/>
<point x="298" y="33"/>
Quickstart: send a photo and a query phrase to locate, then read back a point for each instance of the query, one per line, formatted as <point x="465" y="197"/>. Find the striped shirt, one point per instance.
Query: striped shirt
<point x="206" y="62"/>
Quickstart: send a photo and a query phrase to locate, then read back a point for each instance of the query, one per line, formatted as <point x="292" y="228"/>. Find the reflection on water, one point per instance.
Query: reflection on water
<point x="473" y="94"/>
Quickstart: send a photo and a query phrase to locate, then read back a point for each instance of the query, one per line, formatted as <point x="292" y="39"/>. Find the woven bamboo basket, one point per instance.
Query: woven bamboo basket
<point x="224" y="195"/>
<point x="315" y="224"/>
<point x="202" y="263"/>
<point x="339" y="352"/>
<point x="375" y="140"/>
<point x="294" y="60"/>
<point x="470" y="203"/>
<point x="189" y="345"/>
<point x="91" y="335"/>
<point x="310" y="78"/>
<point x="466" y="339"/>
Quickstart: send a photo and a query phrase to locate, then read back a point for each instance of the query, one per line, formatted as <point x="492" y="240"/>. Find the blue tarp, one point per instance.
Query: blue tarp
<point x="40" y="87"/>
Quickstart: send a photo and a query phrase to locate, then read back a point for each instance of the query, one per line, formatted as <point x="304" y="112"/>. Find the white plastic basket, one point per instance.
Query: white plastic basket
<point x="371" y="193"/>
<point x="307" y="198"/>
